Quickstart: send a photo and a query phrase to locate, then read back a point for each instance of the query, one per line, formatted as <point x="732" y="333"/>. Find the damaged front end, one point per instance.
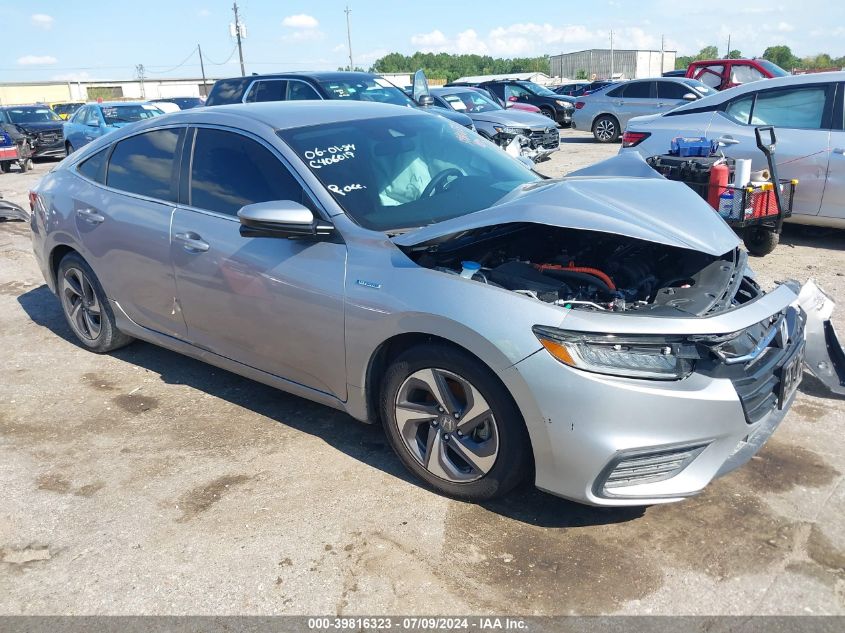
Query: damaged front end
<point x="535" y="147"/>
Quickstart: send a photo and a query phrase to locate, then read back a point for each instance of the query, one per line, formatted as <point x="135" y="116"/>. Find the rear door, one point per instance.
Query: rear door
<point x="272" y="304"/>
<point x="833" y="202"/>
<point x="123" y="223"/>
<point x="637" y="99"/>
<point x="670" y="94"/>
<point x="801" y="116"/>
<point x="267" y="90"/>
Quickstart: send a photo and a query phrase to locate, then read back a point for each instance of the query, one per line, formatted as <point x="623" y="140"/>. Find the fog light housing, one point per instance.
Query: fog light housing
<point x="643" y="467"/>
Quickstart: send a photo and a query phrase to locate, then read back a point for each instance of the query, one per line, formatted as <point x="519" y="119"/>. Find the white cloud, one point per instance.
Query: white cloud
<point x="203" y="13"/>
<point x="301" y="21"/>
<point x="785" y="27"/>
<point x="43" y="21"/>
<point x="436" y="42"/>
<point x="340" y="48"/>
<point x="36" y="60"/>
<point x="304" y="35"/>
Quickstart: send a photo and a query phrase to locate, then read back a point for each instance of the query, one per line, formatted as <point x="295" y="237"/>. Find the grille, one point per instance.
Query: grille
<point x="48" y="137"/>
<point x="548" y="138"/>
<point x="650" y="467"/>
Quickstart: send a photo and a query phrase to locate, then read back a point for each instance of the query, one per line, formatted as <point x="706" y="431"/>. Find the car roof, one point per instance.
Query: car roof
<point x="281" y="115"/>
<point x="115" y="104"/>
<point x="318" y="75"/>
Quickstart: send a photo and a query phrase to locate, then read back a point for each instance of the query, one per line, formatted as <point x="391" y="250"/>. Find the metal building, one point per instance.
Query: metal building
<point x="602" y="63"/>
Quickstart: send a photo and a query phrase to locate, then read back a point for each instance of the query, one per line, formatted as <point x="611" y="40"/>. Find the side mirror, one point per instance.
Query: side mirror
<point x="281" y="218"/>
<point x="93" y="123"/>
<point x="689" y="97"/>
<point x="425" y="101"/>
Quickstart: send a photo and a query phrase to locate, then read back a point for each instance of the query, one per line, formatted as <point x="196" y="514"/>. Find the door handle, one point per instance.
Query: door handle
<point x="191" y="242"/>
<point x="90" y="216"/>
<point x="839" y="150"/>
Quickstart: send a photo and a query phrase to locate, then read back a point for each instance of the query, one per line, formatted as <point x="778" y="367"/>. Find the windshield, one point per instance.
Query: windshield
<point x="401" y="172"/>
<point x="367" y="89"/>
<point x="470" y="101"/>
<point x="66" y="108"/>
<point x="537" y="89"/>
<point x="774" y="69"/>
<point x="129" y="113"/>
<point x="32" y="115"/>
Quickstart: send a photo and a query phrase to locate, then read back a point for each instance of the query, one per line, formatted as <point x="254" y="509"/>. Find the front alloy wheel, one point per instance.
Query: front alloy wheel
<point x="447" y="425"/>
<point x="453" y="423"/>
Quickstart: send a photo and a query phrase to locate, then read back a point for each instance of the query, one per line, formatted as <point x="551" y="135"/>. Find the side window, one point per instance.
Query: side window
<point x="743" y="74"/>
<point x="616" y="92"/>
<point x="796" y="108"/>
<point x="672" y="90"/>
<point x="739" y="110"/>
<point x="267" y="91"/>
<point x="93" y="117"/>
<point x="230" y="171"/>
<point x="80" y="116"/>
<point x="301" y="91"/>
<point x="638" y="90"/>
<point x="143" y="164"/>
<point x="711" y="75"/>
<point x="227" y="91"/>
<point x="94" y="168"/>
<point x="515" y="91"/>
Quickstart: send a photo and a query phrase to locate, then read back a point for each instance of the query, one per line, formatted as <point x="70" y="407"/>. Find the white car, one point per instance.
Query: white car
<point x="807" y="112"/>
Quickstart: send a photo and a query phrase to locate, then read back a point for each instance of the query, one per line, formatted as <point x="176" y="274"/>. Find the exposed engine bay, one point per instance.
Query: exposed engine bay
<point x="593" y="270"/>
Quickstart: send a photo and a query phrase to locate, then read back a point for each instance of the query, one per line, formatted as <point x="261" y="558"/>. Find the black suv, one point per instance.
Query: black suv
<point x="40" y="125"/>
<point x="557" y="107"/>
<point x="319" y="85"/>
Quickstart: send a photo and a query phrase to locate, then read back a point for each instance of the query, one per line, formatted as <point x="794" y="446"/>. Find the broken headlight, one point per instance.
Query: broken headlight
<point x="630" y="356"/>
<point x="511" y="131"/>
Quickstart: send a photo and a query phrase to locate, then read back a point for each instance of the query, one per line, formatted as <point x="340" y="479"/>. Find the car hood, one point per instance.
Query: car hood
<point x="620" y="196"/>
<point x="457" y="117"/>
<point x="514" y="118"/>
<point x="40" y="126"/>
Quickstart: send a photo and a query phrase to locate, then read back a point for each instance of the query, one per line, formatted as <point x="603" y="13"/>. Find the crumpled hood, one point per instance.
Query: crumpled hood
<point x="642" y="205"/>
<point x="40" y="126"/>
<point x="513" y="118"/>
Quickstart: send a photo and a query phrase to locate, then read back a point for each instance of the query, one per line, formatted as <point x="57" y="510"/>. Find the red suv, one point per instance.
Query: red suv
<point x="727" y="73"/>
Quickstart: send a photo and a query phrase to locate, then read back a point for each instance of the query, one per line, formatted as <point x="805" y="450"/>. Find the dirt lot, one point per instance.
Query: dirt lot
<point x="145" y="482"/>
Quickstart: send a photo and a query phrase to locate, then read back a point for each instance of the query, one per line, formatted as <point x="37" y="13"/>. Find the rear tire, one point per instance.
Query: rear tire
<point x="481" y="453"/>
<point x="606" y="129"/>
<point x="86" y="307"/>
<point x="760" y="241"/>
<point x="69" y="149"/>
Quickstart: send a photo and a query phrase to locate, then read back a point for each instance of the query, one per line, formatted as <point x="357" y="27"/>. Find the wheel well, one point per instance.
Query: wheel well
<point x="56" y="257"/>
<point x="384" y="355"/>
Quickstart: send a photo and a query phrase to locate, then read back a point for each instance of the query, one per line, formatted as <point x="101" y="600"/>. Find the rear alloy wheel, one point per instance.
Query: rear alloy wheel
<point x="606" y="129"/>
<point x="86" y="307"/>
<point x="452" y="423"/>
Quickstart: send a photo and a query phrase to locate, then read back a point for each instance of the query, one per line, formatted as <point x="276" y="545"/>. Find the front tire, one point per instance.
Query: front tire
<point x="547" y="112"/>
<point x="606" y="129"/>
<point x="453" y="424"/>
<point x="68" y="149"/>
<point x="86" y="308"/>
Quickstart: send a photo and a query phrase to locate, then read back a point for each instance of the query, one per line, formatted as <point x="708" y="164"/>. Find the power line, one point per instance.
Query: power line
<point x="228" y="59"/>
<point x="184" y="61"/>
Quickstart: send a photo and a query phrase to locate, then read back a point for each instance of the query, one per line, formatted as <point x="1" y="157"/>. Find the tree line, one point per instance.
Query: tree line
<point x="781" y="55"/>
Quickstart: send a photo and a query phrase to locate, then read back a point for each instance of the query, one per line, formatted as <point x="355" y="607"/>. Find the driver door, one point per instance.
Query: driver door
<point x="272" y="304"/>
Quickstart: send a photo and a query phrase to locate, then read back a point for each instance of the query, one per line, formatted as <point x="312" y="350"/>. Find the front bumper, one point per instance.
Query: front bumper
<point x="613" y="441"/>
<point x="55" y="149"/>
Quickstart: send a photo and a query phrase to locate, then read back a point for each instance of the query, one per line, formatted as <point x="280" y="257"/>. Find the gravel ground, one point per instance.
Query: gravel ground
<point x="144" y="482"/>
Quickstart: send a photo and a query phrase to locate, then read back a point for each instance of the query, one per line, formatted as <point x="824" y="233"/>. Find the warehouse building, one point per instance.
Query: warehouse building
<point x="604" y="63"/>
<point x="59" y="91"/>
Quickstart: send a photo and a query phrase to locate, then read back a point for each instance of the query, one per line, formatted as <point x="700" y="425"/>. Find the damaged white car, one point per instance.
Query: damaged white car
<point x="601" y="333"/>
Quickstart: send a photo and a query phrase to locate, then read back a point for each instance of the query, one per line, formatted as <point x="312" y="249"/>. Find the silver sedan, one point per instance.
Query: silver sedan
<point x="396" y="266"/>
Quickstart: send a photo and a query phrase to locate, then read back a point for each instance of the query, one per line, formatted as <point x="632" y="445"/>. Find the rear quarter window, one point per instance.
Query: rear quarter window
<point x="94" y="168"/>
<point x="226" y="91"/>
<point x="144" y="164"/>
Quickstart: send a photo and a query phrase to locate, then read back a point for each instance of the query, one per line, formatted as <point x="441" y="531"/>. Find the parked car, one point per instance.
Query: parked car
<point x="806" y="112"/>
<point x="583" y="88"/>
<point x="341" y="85"/>
<point x="66" y="110"/>
<point x="606" y="112"/>
<point x="387" y="263"/>
<point x="96" y="119"/>
<point x="557" y="107"/>
<point x="570" y="88"/>
<point x="39" y="124"/>
<point x="500" y="125"/>
<point x="722" y="74"/>
<point x="676" y="73"/>
<point x="183" y="103"/>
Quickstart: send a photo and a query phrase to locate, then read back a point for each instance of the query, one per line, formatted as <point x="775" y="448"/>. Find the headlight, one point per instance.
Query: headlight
<point x="564" y="104"/>
<point x="631" y="356"/>
<point x="513" y="131"/>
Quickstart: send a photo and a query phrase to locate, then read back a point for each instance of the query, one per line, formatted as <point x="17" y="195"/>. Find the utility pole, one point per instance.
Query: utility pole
<point x="349" y="37"/>
<point x="729" y="47"/>
<point x="238" y="36"/>
<point x="202" y="68"/>
<point x="611" y="55"/>
<point x="662" y="54"/>
<point x="140" y="70"/>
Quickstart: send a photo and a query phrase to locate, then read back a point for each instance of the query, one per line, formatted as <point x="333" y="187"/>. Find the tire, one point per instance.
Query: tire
<point x="86" y="308"/>
<point x="760" y="241"/>
<point x="69" y="149"/>
<point x="606" y="129"/>
<point x="6" y="166"/>
<point x="484" y="460"/>
<point x="547" y="112"/>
